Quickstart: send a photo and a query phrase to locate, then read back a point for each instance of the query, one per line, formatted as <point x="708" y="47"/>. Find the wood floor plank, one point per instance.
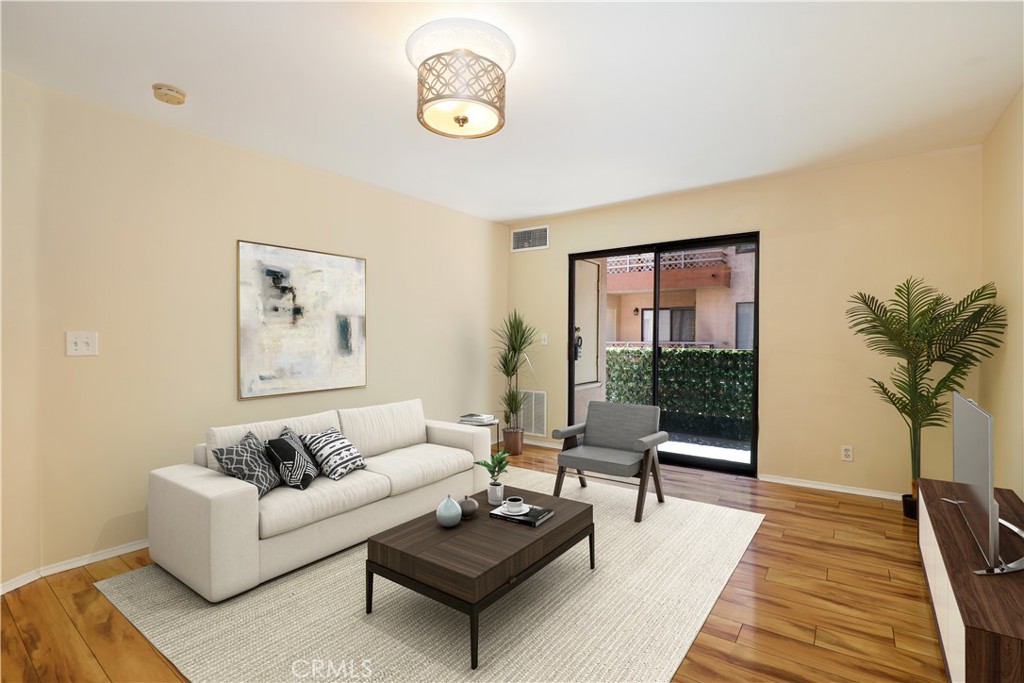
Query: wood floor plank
<point x="137" y="559"/>
<point x="839" y="604"/>
<point x="15" y="665"/>
<point x="862" y="625"/>
<point x="910" y="576"/>
<point x="915" y="642"/>
<point x="910" y="663"/>
<point x="745" y="614"/>
<point x="698" y="666"/>
<point x="70" y="582"/>
<point x="120" y="649"/>
<point x="721" y="627"/>
<point x="760" y="663"/>
<point x="104" y="569"/>
<point x="835" y="663"/>
<point x="55" y="648"/>
<point x="905" y="590"/>
<point x="870" y="598"/>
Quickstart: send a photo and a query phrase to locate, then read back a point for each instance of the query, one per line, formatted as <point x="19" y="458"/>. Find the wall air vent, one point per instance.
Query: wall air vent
<point x="528" y="239"/>
<point x="534" y="416"/>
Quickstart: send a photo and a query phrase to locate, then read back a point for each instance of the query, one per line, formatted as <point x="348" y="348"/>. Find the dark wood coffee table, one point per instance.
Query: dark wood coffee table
<point x="472" y="565"/>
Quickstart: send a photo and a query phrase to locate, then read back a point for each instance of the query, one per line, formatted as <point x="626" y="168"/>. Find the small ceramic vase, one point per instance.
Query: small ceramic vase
<point x="449" y="513"/>
<point x="468" y="507"/>
<point x="495" y="493"/>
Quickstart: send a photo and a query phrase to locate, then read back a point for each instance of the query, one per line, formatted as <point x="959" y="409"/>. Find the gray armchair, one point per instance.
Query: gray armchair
<point x="621" y="439"/>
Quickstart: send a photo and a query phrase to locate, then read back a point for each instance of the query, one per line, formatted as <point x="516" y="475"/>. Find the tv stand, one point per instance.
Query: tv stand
<point x="978" y="617"/>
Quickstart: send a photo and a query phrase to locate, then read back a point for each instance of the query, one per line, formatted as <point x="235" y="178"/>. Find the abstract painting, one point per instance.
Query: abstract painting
<point x="301" y="321"/>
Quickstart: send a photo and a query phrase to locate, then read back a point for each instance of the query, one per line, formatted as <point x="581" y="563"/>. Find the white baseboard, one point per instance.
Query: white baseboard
<point x="825" y="486"/>
<point x="73" y="563"/>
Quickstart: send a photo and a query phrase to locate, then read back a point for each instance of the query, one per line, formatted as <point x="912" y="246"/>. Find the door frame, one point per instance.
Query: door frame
<point x="658" y="249"/>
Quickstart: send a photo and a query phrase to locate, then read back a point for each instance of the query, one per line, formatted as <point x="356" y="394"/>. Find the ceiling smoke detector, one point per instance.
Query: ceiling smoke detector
<point x="168" y="94"/>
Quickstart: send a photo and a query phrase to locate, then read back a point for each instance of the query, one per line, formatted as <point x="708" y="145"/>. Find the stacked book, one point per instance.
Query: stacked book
<point x="532" y="516"/>
<point x="476" y="419"/>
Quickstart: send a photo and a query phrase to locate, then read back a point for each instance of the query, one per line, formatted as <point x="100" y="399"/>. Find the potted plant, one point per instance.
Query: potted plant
<point x="514" y="337"/>
<point x="495" y="467"/>
<point x="924" y="330"/>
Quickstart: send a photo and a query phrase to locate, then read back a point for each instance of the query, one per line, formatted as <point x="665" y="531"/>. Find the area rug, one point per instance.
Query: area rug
<point x="631" y="619"/>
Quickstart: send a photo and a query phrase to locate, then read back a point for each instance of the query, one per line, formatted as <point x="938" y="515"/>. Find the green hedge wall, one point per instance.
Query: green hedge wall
<point x="707" y="392"/>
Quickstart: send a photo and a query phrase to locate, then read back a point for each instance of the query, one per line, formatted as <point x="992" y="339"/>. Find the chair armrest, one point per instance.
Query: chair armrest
<point x="567" y="432"/>
<point x="204" y="529"/>
<point x="476" y="440"/>
<point x="650" y="441"/>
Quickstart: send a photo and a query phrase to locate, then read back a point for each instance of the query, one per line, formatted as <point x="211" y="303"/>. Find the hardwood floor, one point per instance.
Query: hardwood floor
<point x="830" y="589"/>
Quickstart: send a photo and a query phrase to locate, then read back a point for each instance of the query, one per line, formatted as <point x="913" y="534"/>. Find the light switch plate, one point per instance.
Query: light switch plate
<point x="83" y="343"/>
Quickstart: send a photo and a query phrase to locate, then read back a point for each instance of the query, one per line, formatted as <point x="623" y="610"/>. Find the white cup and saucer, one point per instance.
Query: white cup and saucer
<point x="514" y="505"/>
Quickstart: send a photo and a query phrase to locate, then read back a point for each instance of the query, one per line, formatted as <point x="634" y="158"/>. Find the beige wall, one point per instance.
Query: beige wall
<point x="1002" y="389"/>
<point x="129" y="228"/>
<point x="824" y="235"/>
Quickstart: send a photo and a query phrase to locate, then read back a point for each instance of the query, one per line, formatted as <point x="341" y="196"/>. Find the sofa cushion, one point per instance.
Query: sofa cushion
<point x="247" y="460"/>
<point x="291" y="460"/>
<point x="419" y="465"/>
<point x="335" y="454"/>
<point x="218" y="437"/>
<point x="380" y="429"/>
<point x="285" y="509"/>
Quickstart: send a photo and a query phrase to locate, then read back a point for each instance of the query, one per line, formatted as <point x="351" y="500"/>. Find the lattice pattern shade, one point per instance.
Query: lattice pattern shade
<point x="461" y="66"/>
<point x="461" y="94"/>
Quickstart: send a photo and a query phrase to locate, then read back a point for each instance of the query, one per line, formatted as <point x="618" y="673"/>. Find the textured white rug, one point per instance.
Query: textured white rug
<point x="631" y="619"/>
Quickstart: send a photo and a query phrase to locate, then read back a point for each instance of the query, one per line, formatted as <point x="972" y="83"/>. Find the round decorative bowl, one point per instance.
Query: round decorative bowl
<point x="449" y="513"/>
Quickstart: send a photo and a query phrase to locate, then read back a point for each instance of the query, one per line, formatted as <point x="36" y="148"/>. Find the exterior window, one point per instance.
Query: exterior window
<point x="744" y="325"/>
<point x="674" y="324"/>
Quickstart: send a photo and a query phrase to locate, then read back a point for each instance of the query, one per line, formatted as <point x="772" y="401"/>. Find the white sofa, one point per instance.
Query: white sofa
<point x="214" y="534"/>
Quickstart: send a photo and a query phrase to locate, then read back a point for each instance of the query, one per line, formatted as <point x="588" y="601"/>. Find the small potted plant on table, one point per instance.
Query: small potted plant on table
<point x="495" y="467"/>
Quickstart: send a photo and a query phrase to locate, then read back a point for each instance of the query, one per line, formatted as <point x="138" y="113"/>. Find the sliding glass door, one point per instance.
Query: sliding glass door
<point x="680" y="333"/>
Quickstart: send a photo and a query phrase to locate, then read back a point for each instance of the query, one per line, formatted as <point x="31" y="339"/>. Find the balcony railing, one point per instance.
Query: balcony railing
<point x="664" y="345"/>
<point x="679" y="260"/>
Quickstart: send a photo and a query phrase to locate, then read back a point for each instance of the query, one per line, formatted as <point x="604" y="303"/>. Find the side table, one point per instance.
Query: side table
<point x="493" y="423"/>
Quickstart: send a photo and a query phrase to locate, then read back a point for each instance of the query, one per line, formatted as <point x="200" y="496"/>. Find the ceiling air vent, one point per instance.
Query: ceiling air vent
<point x="529" y="239"/>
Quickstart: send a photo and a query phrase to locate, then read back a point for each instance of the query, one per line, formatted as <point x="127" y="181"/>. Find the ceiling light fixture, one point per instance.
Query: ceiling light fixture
<point x="461" y="65"/>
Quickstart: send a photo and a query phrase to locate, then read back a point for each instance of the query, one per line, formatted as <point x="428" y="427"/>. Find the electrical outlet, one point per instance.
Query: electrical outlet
<point x="846" y="453"/>
<point x="82" y="344"/>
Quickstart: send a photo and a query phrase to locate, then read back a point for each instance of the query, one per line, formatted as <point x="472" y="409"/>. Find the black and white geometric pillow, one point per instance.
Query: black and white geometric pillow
<point x="289" y="456"/>
<point x="248" y="461"/>
<point x="296" y="441"/>
<point x="334" y="453"/>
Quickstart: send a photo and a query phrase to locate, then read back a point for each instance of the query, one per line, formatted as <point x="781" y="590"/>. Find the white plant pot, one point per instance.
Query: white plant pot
<point x="495" y="493"/>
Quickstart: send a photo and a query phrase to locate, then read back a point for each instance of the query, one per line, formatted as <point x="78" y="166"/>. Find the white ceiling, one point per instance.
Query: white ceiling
<point x="607" y="102"/>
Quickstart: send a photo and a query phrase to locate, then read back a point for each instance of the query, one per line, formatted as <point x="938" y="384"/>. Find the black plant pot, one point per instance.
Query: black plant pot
<point x="909" y="506"/>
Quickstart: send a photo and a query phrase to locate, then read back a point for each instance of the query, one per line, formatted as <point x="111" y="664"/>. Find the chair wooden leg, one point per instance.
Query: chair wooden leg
<point x="645" y="474"/>
<point x="583" y="480"/>
<point x="558" y="481"/>
<point x="656" y="469"/>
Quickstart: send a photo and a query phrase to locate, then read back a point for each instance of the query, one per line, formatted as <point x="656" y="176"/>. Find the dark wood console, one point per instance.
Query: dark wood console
<point x="980" y="618"/>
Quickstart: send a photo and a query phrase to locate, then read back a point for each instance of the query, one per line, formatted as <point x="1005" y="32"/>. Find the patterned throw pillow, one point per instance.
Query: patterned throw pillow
<point x="289" y="456"/>
<point x="334" y="453"/>
<point x="296" y="440"/>
<point x="248" y="461"/>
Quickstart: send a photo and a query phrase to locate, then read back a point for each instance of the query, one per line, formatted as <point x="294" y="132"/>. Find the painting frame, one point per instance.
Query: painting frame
<point x="301" y="320"/>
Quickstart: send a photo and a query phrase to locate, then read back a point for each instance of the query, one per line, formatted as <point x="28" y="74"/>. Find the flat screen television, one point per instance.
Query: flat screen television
<point x="973" y="478"/>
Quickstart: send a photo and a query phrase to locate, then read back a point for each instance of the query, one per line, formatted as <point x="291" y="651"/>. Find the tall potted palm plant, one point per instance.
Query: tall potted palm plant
<point x="925" y="331"/>
<point x="514" y="337"/>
